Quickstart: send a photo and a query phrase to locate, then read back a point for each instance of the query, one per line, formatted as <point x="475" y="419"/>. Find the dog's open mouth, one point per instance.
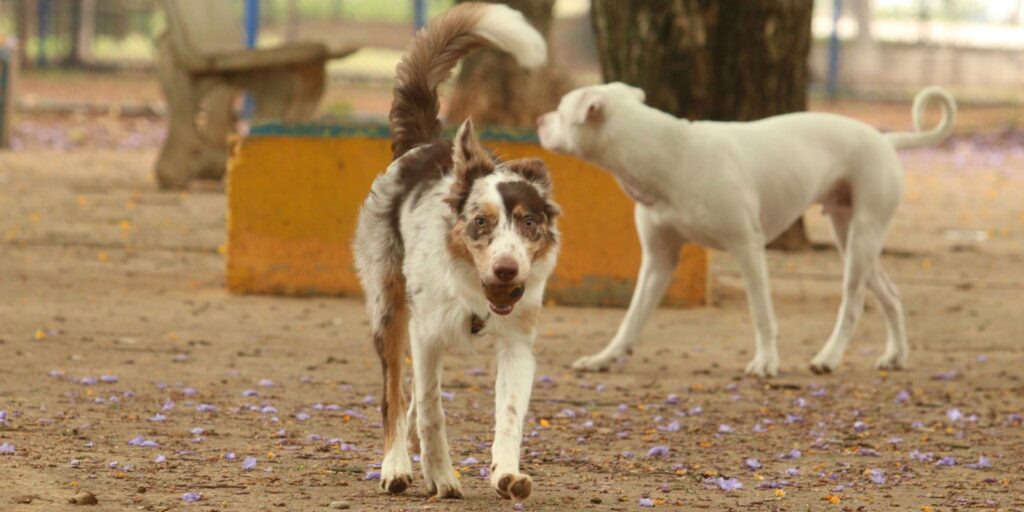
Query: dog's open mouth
<point x="502" y="298"/>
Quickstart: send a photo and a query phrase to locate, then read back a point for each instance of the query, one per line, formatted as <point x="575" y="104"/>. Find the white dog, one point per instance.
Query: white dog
<point x="446" y="238"/>
<point x="736" y="186"/>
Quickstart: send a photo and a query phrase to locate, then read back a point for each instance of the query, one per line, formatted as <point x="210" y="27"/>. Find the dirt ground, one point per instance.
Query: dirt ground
<point x="115" y="327"/>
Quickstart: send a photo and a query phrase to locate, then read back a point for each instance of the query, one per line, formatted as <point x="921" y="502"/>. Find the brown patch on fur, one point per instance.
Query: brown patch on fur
<point x="468" y="241"/>
<point x="470" y="161"/>
<point x="389" y="339"/>
<point x="522" y="202"/>
<point x="427" y="63"/>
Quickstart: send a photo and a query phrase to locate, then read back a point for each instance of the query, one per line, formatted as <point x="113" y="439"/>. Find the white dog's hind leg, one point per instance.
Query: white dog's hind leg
<point x="897" y="350"/>
<point x="862" y="249"/>
<point x="512" y="390"/>
<point x="754" y="268"/>
<point x="435" y="460"/>
<point x="660" y="255"/>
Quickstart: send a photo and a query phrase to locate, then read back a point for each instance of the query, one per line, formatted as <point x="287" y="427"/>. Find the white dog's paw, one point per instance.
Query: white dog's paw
<point x="892" y="361"/>
<point x="826" y="362"/>
<point x="396" y="475"/>
<point x="512" y="486"/>
<point x="599" y="362"/>
<point x="764" y="366"/>
<point x="443" y="484"/>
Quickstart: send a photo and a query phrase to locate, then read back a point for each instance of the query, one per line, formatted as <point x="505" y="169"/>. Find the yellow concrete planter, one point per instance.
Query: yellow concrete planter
<point x="294" y="194"/>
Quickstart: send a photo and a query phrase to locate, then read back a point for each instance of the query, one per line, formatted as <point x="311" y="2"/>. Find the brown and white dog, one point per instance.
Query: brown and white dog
<point x="451" y="243"/>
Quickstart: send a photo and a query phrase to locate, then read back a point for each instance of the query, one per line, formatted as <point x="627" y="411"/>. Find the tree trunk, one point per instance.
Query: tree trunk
<point x="24" y="29"/>
<point x="493" y="90"/>
<point x="723" y="60"/>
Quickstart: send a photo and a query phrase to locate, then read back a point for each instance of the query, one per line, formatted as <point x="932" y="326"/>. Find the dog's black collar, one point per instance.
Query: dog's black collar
<point x="477" y="324"/>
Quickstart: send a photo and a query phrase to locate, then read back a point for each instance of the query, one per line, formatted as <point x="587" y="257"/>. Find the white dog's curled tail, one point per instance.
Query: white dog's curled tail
<point x="438" y="48"/>
<point x="935" y="135"/>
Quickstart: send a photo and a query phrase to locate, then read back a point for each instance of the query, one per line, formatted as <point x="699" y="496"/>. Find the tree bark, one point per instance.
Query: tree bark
<point x="722" y="60"/>
<point x="493" y="90"/>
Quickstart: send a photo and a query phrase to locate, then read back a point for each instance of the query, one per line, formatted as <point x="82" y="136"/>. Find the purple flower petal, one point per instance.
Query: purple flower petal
<point x="877" y="476"/>
<point x="983" y="463"/>
<point x="946" y="462"/>
<point x="860" y="426"/>
<point x="646" y="502"/>
<point x="725" y="484"/>
<point x="485" y="473"/>
<point x="902" y="397"/>
<point x="672" y="399"/>
<point x="658" y="451"/>
<point x="867" y="452"/>
<point x="7" y="449"/>
<point x="448" y="395"/>
<point x="249" y="464"/>
<point x="949" y="375"/>
<point x="191" y="497"/>
<point x="954" y="415"/>
<point x="671" y="427"/>
<point x="469" y="461"/>
<point x="230" y="456"/>
<point x="792" y="454"/>
<point x="753" y="463"/>
<point x="725" y="429"/>
<point x="109" y="379"/>
<point x="923" y="457"/>
<point x="250" y="393"/>
<point x="206" y="408"/>
<point x="266" y="383"/>
<point x="792" y="472"/>
<point x="302" y="416"/>
<point x="158" y="418"/>
<point x="160" y="459"/>
<point x="775" y="484"/>
<point x="372" y="475"/>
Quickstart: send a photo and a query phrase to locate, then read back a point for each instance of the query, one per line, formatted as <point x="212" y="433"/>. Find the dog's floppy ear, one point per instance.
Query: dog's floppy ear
<point x="469" y="162"/>
<point x="536" y="172"/>
<point x="590" y="108"/>
<point x="532" y="170"/>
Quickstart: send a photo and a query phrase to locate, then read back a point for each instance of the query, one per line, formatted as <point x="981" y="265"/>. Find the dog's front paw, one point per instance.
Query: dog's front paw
<point x="763" y="366"/>
<point x="512" y="486"/>
<point x="445" y="486"/>
<point x="892" y="361"/>
<point x="396" y="474"/>
<point x="825" y="362"/>
<point x="594" y="363"/>
<point x="395" y="484"/>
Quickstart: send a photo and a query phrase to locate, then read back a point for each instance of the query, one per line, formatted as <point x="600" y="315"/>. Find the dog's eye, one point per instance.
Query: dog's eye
<point x="480" y="221"/>
<point x="529" y="223"/>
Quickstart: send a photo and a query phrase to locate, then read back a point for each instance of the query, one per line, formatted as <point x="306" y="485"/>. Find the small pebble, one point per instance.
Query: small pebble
<point x="83" y="498"/>
<point x="340" y="505"/>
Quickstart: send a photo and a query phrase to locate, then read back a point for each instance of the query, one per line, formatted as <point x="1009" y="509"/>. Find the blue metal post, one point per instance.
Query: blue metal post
<point x="419" y="12"/>
<point x="252" y="32"/>
<point x="832" y="81"/>
<point x="43" y="19"/>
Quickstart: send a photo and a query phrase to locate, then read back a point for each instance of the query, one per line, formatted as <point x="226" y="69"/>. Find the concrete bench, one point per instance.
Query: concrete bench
<point x="294" y="193"/>
<point x="204" y="65"/>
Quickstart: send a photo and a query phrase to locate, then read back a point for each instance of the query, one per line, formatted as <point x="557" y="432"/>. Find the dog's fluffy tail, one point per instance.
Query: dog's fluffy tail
<point x="935" y="135"/>
<point x="437" y="49"/>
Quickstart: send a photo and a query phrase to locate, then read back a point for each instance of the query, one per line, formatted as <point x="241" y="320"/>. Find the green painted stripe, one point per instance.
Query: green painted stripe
<point x="373" y="131"/>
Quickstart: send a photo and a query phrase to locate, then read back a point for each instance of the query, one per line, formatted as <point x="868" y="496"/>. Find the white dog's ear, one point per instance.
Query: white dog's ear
<point x="591" y="109"/>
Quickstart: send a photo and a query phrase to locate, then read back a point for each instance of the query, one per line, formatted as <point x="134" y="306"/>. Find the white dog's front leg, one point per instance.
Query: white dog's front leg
<point x="660" y="255"/>
<point x="512" y="390"/>
<point x="427" y="351"/>
<point x="754" y="267"/>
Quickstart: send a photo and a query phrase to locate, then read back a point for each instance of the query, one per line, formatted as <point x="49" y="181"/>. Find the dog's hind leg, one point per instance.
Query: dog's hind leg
<point x="427" y="351"/>
<point x="897" y="350"/>
<point x="862" y="248"/>
<point x="391" y="328"/>
<point x="660" y="247"/>
<point x="754" y="268"/>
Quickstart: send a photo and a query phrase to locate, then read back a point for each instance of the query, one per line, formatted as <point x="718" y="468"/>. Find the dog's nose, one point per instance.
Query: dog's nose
<point x="506" y="270"/>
